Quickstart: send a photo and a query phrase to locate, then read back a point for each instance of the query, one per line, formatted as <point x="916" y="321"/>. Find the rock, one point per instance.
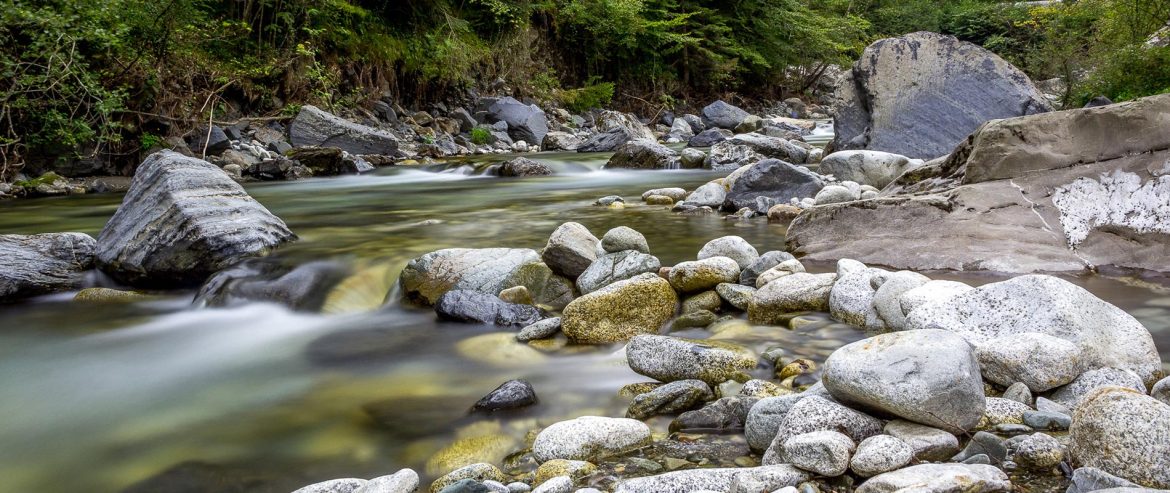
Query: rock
<point x="320" y="161"/>
<point x="709" y="137"/>
<point x="733" y="247"/>
<point x="468" y="486"/>
<point x="614" y="267"/>
<point x="1090" y="479"/>
<point x="523" y="166"/>
<point x="723" y="115"/>
<point x="704" y="301"/>
<point x="643" y="154"/>
<point x="1048" y="406"/>
<point x="613" y="130"/>
<point x="736" y="295"/>
<point x="728" y="156"/>
<point x="725" y="415"/>
<point x="1039" y="361"/>
<point x="669" y="359"/>
<point x="526" y="122"/>
<point x="928" y="443"/>
<point x="1047" y="420"/>
<point x="902" y="373"/>
<point x="1017" y="391"/>
<point x="182" y="220"/>
<point x="619" y="311"/>
<point x="931" y="292"/>
<point x="1039" y="451"/>
<point x="715" y="479"/>
<point x="676" y="194"/>
<point x="816" y="413"/>
<point x="873" y="168"/>
<point x="793" y="293"/>
<point x="344" y="485"/>
<point x="681" y="130"/>
<point x="560" y="141"/>
<point x="560" y="467"/>
<point x="540" y="330"/>
<point x="107" y="295"/>
<point x="887" y="300"/>
<point x="1107" y="336"/>
<point x="1093" y="199"/>
<point x="611" y="201"/>
<point x="559" y="484"/>
<point x="834" y="194"/>
<point x="711" y="195"/>
<point x="1002" y="411"/>
<point x="210" y="143"/>
<point x="852" y="298"/>
<point x="939" y="478"/>
<point x="1123" y="433"/>
<point x="306" y="287"/>
<point x="659" y="200"/>
<point x="590" y="437"/>
<point x="486" y="270"/>
<point x="314" y="127"/>
<point x="703" y="274"/>
<point x="672" y="398"/>
<point x="764" y="418"/>
<point x="771" y="147"/>
<point x="545" y="287"/>
<point x="570" y="250"/>
<point x="774" y="179"/>
<point x="768" y="260"/>
<point x="692" y="158"/>
<point x="474" y="307"/>
<point x="509" y="395"/>
<point x="1161" y="391"/>
<point x="880" y="454"/>
<point x="983" y="444"/>
<point x="1074" y="393"/>
<point x="476" y="472"/>
<point x="785" y="268"/>
<point x="403" y="481"/>
<point x="623" y="238"/>
<point x="826" y="453"/>
<point x="33" y="265"/>
<point x="517" y="295"/>
<point x="957" y="87"/>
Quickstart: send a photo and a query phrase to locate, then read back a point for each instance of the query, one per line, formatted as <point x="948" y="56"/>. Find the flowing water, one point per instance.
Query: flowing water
<point x="105" y="397"/>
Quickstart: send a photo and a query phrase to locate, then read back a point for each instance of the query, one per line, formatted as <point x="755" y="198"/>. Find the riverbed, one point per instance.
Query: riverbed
<point x="105" y="397"/>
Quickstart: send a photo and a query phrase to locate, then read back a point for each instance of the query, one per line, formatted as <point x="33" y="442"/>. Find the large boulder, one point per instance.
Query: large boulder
<point x="643" y="154"/>
<point x="773" y="179"/>
<point x="614" y="267"/>
<point x="526" y="122"/>
<point x="940" y="478"/>
<point x="1106" y="335"/>
<point x="874" y="168"/>
<point x="1125" y="434"/>
<point x="487" y="270"/>
<point x="32" y="265"/>
<point x="816" y="413"/>
<point x="904" y="373"/>
<point x="771" y="147"/>
<point x="619" y="311"/>
<point x="670" y="359"/>
<point x="316" y="127"/>
<point x="182" y="220"/>
<point x="589" y="437"/>
<point x="1056" y="192"/>
<point x="570" y="250"/>
<point x="723" y="115"/>
<point x="921" y="94"/>
<point x="614" y="129"/>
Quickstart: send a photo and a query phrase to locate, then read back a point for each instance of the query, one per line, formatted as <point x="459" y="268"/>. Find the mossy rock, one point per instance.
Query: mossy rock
<point x="575" y="469"/>
<point x="467" y="451"/>
<point x="107" y="295"/>
<point x="624" y="309"/>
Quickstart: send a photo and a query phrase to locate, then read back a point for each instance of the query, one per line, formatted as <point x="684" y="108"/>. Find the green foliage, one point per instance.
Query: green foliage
<point x="593" y="95"/>
<point x="1131" y="73"/>
<point x="148" y="141"/>
<point x="480" y="136"/>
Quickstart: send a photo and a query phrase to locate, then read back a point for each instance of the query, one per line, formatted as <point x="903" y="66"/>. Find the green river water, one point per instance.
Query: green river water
<point x="104" y="397"/>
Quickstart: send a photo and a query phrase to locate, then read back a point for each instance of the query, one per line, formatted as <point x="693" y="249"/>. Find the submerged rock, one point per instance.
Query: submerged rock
<point x="619" y="311"/>
<point x="315" y="127"/>
<point x="32" y="265"/>
<point x="590" y="437"/>
<point x="182" y="220"/>
<point x="509" y="395"/>
<point x="669" y="359"/>
<point x="486" y="270"/>
<point x="304" y="287"/>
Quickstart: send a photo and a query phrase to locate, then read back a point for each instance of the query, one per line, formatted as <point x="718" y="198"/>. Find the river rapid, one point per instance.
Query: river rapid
<point x="102" y="397"/>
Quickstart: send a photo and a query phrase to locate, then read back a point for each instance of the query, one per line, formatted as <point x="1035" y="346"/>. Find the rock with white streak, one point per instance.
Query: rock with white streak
<point x="32" y="265"/>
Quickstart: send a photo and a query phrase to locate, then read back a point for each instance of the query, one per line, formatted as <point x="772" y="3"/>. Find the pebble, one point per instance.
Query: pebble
<point x="983" y="443"/>
<point x="1020" y="393"/>
<point x="1047" y="420"/>
<point x="880" y="454"/>
<point x="540" y="330"/>
<point x="1039" y="451"/>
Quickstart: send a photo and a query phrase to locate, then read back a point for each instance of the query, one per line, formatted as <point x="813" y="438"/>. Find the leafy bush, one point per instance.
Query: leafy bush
<point x="593" y="95"/>
<point x="480" y="136"/>
<point x="1131" y="73"/>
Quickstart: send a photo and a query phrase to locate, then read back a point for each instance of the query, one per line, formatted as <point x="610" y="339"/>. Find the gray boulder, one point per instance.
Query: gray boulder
<point x="769" y="478"/>
<point x="469" y="306"/>
<point x="1090" y="479"/>
<point x="624" y="238"/>
<point x="764" y="417"/>
<point x="797" y="292"/>
<point x="643" y="154"/>
<point x="768" y="260"/>
<point x="540" y="330"/>
<point x="887" y="300"/>
<point x="614" y="267"/>
<point x="509" y="395"/>
<point x="928" y="443"/>
<point x="672" y="398"/>
<point x="723" y="115"/>
<point x="835" y="194"/>
<point x="816" y="413"/>
<point x="560" y="141"/>
<point x="1039" y="361"/>
<point x="486" y="270"/>
<point x="1071" y="395"/>
<point x="403" y="481"/>
<point x="903" y="373"/>
<point x="940" y="478"/>
<point x="734" y="247"/>
<point x="523" y="166"/>
<point x="1124" y="433"/>
<point x="343" y="485"/>
<point x="670" y="359"/>
<point x="676" y="194"/>
<point x="932" y="291"/>
<point x="874" y="168"/>
<point x="182" y="220"/>
<point x="614" y="129"/>
<point x="772" y="147"/>
<point x="570" y="250"/>
<point x="826" y="452"/>
<point x="710" y="137"/>
<point x="710" y="194"/>
<point x="526" y="122"/>
<point x="880" y="454"/>
<point x="852" y="298"/>
<point x="1107" y="335"/>
<point x="589" y="437"/>
<point x="32" y="265"/>
<point x="1161" y="391"/>
<point x="957" y="87"/>
<point x="701" y="275"/>
<point x="774" y="179"/>
<point x="315" y="127"/>
<point x="728" y="156"/>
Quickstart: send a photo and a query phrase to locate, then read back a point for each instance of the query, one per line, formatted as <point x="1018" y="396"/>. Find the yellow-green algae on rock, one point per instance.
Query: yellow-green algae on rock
<point x="617" y="312"/>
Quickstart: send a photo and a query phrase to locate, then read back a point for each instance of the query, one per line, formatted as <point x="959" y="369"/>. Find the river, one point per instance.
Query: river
<point x="102" y="397"/>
